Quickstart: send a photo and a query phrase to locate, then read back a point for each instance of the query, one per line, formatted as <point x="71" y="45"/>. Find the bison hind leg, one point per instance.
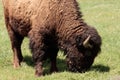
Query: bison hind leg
<point x="16" y="41"/>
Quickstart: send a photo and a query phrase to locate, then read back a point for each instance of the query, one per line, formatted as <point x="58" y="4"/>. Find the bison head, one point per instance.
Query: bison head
<point x="82" y="54"/>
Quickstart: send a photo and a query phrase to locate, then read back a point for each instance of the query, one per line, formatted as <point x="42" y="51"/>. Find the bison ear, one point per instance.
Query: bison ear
<point x="79" y="41"/>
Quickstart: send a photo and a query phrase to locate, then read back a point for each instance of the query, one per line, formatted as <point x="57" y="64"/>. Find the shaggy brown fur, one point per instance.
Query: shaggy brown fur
<point x="51" y="25"/>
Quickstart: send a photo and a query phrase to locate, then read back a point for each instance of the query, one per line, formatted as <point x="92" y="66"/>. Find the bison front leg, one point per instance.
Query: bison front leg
<point x="38" y="51"/>
<point x="16" y="41"/>
<point x="53" y="54"/>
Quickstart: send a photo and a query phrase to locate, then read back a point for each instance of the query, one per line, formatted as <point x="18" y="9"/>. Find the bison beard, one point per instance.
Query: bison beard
<point x="51" y="25"/>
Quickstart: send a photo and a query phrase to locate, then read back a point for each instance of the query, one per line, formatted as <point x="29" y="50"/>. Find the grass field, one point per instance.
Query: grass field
<point x="104" y="15"/>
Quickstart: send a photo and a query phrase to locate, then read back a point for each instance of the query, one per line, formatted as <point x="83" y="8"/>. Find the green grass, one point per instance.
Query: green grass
<point x="104" y="15"/>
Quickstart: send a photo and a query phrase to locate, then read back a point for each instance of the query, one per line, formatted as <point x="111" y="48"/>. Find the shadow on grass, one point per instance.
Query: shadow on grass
<point x="100" y="68"/>
<point x="61" y="64"/>
<point x="28" y="60"/>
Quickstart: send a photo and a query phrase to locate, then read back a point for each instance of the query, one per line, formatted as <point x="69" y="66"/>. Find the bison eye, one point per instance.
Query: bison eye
<point x="79" y="41"/>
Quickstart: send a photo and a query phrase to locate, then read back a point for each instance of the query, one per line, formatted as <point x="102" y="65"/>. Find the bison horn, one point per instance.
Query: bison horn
<point x="86" y="42"/>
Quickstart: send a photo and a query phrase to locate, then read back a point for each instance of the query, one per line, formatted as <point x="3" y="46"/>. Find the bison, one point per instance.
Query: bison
<point x="51" y="25"/>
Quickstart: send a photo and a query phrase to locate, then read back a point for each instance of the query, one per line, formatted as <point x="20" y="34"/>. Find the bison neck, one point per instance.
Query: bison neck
<point x="69" y="23"/>
<point x="67" y="35"/>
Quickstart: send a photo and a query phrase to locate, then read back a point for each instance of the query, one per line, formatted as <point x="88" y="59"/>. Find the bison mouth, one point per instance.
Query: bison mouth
<point x="74" y="68"/>
<point x="78" y="65"/>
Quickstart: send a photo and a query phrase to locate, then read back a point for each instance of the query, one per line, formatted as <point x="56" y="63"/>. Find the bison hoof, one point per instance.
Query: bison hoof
<point x="16" y="65"/>
<point x="38" y="74"/>
<point x="17" y="62"/>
